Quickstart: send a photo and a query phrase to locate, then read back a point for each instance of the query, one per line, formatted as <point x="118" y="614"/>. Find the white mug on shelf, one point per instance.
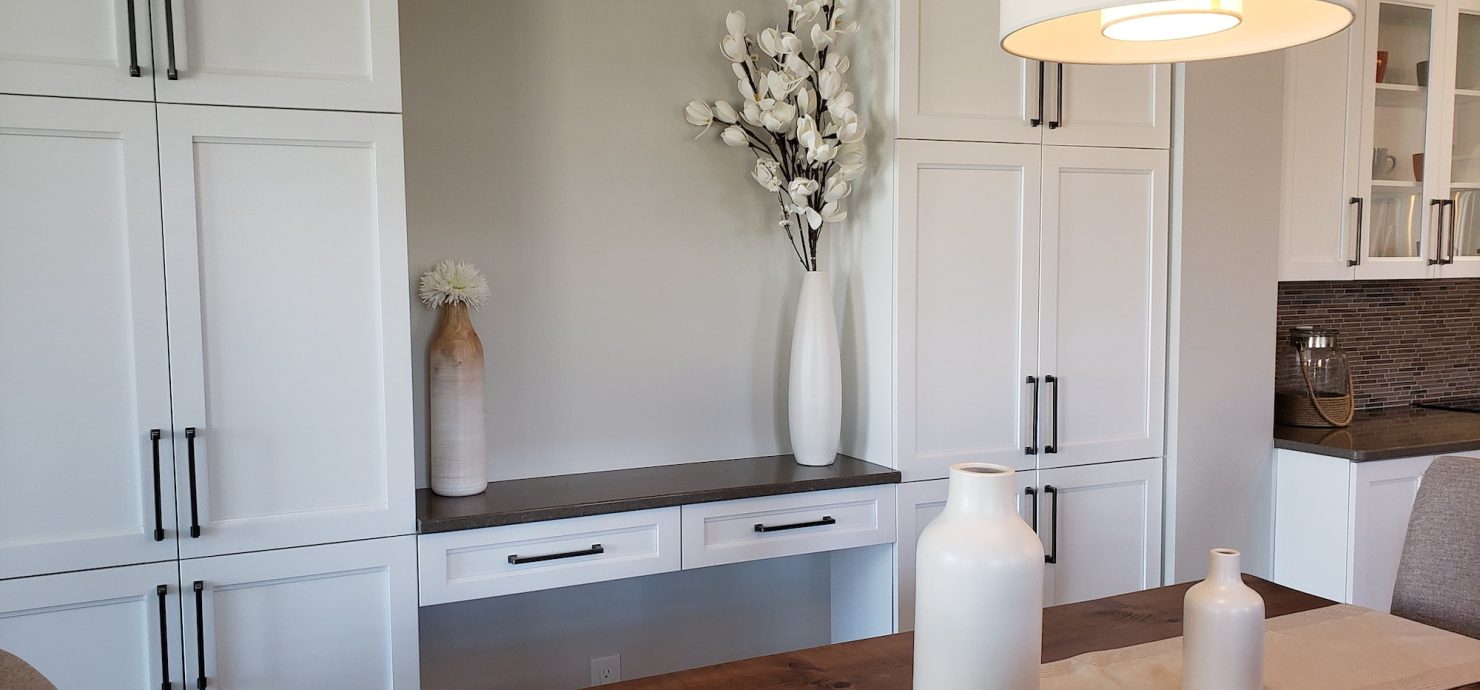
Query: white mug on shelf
<point x="1383" y="163"/>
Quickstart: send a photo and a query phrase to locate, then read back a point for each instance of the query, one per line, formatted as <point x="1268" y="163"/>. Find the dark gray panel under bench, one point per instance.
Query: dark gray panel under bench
<point x="1398" y="432"/>
<point x="598" y="493"/>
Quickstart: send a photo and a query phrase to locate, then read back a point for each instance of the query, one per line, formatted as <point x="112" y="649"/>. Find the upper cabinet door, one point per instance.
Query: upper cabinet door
<point x="1402" y="124"/>
<point x="1125" y="106"/>
<point x="84" y="362"/>
<point x="82" y="48"/>
<point x="956" y="83"/>
<point x="968" y="298"/>
<point x="324" y="54"/>
<point x="1461" y="242"/>
<point x="285" y="238"/>
<point x="1103" y="324"/>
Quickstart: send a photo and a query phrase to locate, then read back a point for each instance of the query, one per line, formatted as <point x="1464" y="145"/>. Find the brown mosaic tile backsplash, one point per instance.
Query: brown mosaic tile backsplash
<point x="1407" y="340"/>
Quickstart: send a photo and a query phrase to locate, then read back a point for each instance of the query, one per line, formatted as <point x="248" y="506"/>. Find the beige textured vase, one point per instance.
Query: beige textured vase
<point x="458" y="456"/>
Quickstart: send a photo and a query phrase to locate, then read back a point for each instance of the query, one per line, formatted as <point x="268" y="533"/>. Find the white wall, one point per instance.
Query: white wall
<point x="1224" y="279"/>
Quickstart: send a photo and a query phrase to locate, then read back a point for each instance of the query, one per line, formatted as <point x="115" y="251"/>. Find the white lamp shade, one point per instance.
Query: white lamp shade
<point x="1080" y="31"/>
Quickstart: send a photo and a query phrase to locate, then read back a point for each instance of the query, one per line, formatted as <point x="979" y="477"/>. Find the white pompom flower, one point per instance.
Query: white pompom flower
<point x="453" y="282"/>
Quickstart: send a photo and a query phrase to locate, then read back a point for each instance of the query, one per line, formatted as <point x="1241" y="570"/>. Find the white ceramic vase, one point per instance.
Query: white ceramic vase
<point x="815" y="394"/>
<point x="458" y="457"/>
<point x="1222" y="630"/>
<point x="978" y="588"/>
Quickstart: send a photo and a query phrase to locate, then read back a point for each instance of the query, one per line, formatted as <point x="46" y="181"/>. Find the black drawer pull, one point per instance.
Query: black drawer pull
<point x="163" y="591"/>
<point x="154" y="435"/>
<point x="1053" y="531"/>
<point x="190" y="462"/>
<point x="521" y="560"/>
<point x="201" y="681"/>
<point x="826" y="520"/>
<point x="1032" y="448"/>
<point x="133" y="44"/>
<point x="1033" y="494"/>
<point x="169" y="39"/>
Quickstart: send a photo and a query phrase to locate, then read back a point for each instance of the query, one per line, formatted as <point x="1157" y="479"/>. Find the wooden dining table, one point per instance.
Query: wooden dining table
<point x="887" y="663"/>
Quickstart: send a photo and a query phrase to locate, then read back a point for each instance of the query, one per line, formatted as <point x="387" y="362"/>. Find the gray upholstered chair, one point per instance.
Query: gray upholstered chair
<point x="18" y="675"/>
<point x="1439" y="575"/>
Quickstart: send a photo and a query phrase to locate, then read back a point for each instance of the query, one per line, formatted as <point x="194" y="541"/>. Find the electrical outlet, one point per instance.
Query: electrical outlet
<point x="606" y="670"/>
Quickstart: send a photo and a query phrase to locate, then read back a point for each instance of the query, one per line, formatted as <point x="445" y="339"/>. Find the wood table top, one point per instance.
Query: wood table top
<point x="887" y="663"/>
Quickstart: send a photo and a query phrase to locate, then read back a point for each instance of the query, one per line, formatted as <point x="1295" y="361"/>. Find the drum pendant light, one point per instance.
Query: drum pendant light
<point x="1112" y="32"/>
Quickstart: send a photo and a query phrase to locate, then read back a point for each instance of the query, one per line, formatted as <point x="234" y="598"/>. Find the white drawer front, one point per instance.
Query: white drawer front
<point x="473" y="564"/>
<point x="746" y="530"/>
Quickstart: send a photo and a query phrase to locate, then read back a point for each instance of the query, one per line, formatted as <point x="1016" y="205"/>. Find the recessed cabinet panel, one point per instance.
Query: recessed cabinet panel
<point x="968" y="304"/>
<point x="1103" y="527"/>
<point x="326" y="54"/>
<point x="75" y="48"/>
<point x="956" y="83"/>
<point x="286" y="239"/>
<point x="83" y="355"/>
<point x="1103" y="330"/>
<point x="1127" y="106"/>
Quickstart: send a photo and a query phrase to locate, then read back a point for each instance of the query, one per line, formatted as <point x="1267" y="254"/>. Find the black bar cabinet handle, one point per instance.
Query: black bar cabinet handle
<point x="154" y="435"/>
<point x="1042" y="74"/>
<point x="133" y="43"/>
<point x="190" y="464"/>
<point x="1053" y="411"/>
<point x="1361" y="213"/>
<point x="521" y="560"/>
<point x="1058" y="118"/>
<point x="169" y="38"/>
<point x="826" y="520"/>
<point x="164" y="638"/>
<point x="1032" y="493"/>
<point x="1439" y="235"/>
<point x="1032" y="448"/>
<point x="200" y="632"/>
<point x="1053" y="531"/>
<point x="1453" y="230"/>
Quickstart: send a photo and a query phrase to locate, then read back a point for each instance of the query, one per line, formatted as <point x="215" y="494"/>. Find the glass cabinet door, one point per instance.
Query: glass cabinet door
<point x="1460" y="246"/>
<point x="1401" y="125"/>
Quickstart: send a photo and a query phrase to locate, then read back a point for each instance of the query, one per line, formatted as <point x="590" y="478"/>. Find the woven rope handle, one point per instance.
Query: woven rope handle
<point x="1315" y="401"/>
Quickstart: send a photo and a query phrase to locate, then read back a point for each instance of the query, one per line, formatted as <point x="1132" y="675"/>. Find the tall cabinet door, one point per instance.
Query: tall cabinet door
<point x="113" y="628"/>
<point x="956" y="83"/>
<point x="325" y="54"/>
<point x="334" y="616"/>
<point x="1127" y="106"/>
<point x="84" y="362"/>
<point x="1462" y="236"/>
<point x="1103" y="326"/>
<point x="968" y="297"/>
<point x="1103" y="527"/>
<point x="80" y="48"/>
<point x="285" y="238"/>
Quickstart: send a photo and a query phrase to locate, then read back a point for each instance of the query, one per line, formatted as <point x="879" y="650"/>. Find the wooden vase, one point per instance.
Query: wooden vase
<point x="458" y="456"/>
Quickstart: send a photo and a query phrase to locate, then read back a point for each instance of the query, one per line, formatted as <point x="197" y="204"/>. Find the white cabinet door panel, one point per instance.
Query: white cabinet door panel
<point x="83" y="356"/>
<point x="335" y="616"/>
<point x="1382" y="501"/>
<point x="968" y="258"/>
<point x="956" y="83"/>
<point x="1127" y="106"/>
<point x="75" y="48"/>
<point x="324" y="54"/>
<point x="1103" y="329"/>
<point x="1103" y="524"/>
<point x="97" y="629"/>
<point x="286" y="250"/>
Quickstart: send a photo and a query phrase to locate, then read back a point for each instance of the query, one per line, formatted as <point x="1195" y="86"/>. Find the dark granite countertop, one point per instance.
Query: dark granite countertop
<point x="598" y="493"/>
<point x="1398" y="432"/>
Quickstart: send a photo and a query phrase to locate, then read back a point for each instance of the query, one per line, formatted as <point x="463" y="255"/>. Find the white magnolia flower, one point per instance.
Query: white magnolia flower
<point x="768" y="173"/>
<point x="850" y="130"/>
<point x="735" y="22"/>
<point x="790" y="44"/>
<point x="755" y="95"/>
<point x="806" y="100"/>
<point x="829" y="83"/>
<point x="733" y="49"/>
<point x="778" y="85"/>
<point x="453" y="282"/>
<point x="752" y="114"/>
<point x="780" y="117"/>
<point x="797" y="65"/>
<point x="805" y="10"/>
<point x="837" y="62"/>
<point x="733" y="136"/>
<point x="814" y="219"/>
<point x="850" y="162"/>
<point x="822" y="39"/>
<point x="800" y="189"/>
<point x="724" y="112"/>
<point x="770" y="41"/>
<point x="841" y="104"/>
<point x="832" y="214"/>
<point x="837" y="189"/>
<point x="698" y="114"/>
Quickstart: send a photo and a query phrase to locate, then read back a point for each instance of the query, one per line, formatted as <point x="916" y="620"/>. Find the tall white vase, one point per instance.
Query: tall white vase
<point x="978" y="588"/>
<point x="815" y="407"/>
<point x="458" y="457"/>
<point x="1222" y="630"/>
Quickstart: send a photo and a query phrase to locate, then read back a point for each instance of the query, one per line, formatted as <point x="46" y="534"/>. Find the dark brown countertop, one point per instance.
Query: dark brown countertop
<point x="1398" y="432"/>
<point x="598" y="493"/>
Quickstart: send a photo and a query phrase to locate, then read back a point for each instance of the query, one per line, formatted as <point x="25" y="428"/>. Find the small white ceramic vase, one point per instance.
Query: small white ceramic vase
<point x="815" y="393"/>
<point x="1222" y="630"/>
<point x="978" y="588"/>
<point x="458" y="457"/>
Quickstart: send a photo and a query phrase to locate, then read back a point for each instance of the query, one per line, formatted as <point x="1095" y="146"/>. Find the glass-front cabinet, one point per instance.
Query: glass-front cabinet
<point x="1461" y="244"/>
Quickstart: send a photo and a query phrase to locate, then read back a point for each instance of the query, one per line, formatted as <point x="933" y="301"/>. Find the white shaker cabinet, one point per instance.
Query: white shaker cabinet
<point x="1102" y="525"/>
<point x="112" y="628"/>
<point x="83" y="354"/>
<point x="290" y="353"/>
<point x="334" y="616"/>
<point x="323" y="54"/>
<point x="956" y="83"/>
<point x="79" y="48"/>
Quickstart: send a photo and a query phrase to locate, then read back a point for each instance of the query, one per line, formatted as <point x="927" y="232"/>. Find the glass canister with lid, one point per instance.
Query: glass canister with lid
<point x="1314" y="383"/>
